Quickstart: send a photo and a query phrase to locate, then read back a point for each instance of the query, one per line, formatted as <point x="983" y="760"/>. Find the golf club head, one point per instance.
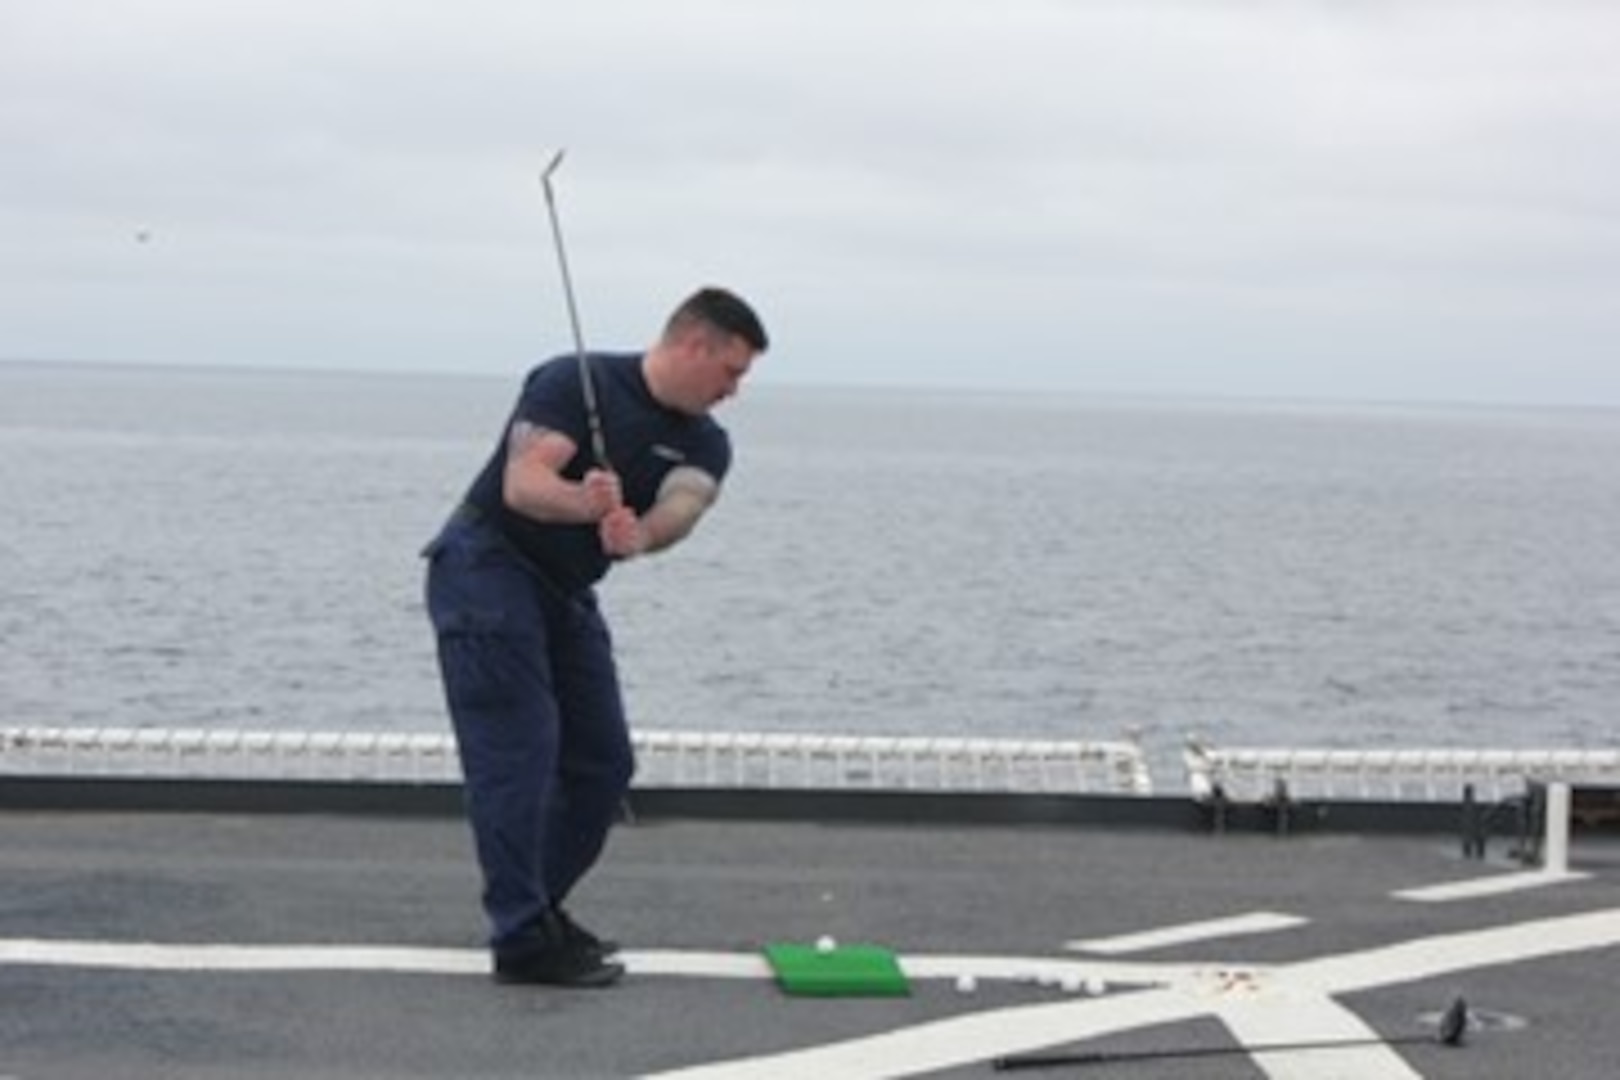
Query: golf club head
<point x="545" y="174"/>
<point x="1454" y="1024"/>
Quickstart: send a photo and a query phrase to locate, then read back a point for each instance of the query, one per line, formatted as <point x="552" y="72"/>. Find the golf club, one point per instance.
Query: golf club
<point x="1452" y="1027"/>
<point x="592" y="415"/>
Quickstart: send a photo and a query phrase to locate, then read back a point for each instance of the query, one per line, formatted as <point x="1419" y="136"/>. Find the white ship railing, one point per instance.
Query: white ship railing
<point x="775" y="760"/>
<point x="761" y="760"/>
<point x="665" y="759"/>
<point x="1254" y="773"/>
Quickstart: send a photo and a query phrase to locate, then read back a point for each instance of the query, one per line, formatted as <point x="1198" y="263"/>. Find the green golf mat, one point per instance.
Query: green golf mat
<point x="847" y="971"/>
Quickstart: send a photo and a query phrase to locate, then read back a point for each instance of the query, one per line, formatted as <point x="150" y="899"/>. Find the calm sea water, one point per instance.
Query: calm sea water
<point x="238" y="549"/>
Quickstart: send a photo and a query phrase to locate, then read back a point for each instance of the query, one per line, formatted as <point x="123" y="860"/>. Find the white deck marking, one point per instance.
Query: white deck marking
<point x="1255" y="922"/>
<point x="1297" y="995"/>
<point x="944" y="1044"/>
<point x="1284" y="1003"/>
<point x="1027" y="968"/>
<point x="1291" y="1018"/>
<point x="1426" y="958"/>
<point x="151" y="956"/>
<point x="1487" y="886"/>
<point x="148" y="956"/>
<point x="145" y="956"/>
<point x="702" y="965"/>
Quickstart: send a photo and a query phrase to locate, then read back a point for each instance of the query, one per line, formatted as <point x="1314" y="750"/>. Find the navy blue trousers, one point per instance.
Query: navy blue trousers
<point x="534" y="698"/>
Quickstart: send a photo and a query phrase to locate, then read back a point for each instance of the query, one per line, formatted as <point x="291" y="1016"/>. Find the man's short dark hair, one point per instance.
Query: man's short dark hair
<point x="724" y="311"/>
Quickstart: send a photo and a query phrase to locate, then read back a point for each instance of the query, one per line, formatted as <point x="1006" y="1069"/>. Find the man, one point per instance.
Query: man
<point x="525" y="655"/>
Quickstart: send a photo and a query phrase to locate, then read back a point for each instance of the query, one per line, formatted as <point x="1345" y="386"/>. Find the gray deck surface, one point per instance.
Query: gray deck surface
<point x="676" y="891"/>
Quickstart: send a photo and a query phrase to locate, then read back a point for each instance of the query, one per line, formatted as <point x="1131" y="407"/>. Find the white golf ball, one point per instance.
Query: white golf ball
<point x="1096" y="987"/>
<point x="825" y="944"/>
<point x="966" y="984"/>
<point x="1072" y="984"/>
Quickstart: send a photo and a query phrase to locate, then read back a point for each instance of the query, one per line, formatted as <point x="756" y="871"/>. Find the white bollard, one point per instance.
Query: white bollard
<point x="1555" y="849"/>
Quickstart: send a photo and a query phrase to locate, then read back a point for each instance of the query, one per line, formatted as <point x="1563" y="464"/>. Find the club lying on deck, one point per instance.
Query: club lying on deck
<point x="1453" y="1026"/>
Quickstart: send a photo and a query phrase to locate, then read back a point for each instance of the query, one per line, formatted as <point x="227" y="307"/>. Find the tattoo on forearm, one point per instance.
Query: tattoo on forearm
<point x="521" y="436"/>
<point x="690" y="482"/>
<point x="683" y="497"/>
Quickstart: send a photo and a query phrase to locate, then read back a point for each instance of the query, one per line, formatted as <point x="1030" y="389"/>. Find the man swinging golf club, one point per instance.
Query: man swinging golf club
<point x="525" y="655"/>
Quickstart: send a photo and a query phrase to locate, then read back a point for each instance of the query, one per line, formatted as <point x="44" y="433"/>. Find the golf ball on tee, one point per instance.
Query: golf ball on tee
<point x="825" y="944"/>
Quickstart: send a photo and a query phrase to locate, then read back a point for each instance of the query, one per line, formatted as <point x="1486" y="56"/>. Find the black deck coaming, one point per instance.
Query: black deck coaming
<point x="439" y="799"/>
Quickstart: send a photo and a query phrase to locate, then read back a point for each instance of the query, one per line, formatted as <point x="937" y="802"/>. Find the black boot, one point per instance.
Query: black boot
<point x="576" y="933"/>
<point x="546" y="954"/>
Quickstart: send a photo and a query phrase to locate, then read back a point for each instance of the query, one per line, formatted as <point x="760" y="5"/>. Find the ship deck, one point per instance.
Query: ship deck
<point x="268" y="943"/>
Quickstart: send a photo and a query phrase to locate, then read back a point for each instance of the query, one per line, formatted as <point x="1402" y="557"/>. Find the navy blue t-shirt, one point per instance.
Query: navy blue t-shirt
<point x="645" y="440"/>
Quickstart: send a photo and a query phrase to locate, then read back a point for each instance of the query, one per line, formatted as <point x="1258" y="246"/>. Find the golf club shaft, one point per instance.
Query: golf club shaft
<point x="587" y="384"/>
<point x="1104" y="1057"/>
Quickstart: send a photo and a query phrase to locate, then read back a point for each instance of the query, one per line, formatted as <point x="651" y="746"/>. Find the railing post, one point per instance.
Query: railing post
<point x="1555" y="849"/>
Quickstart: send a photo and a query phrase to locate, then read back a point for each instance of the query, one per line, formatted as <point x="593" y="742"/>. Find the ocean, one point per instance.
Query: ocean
<point x="238" y="549"/>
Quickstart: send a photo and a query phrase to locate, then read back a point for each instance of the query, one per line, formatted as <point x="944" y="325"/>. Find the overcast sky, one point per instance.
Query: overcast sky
<point x="1410" y="199"/>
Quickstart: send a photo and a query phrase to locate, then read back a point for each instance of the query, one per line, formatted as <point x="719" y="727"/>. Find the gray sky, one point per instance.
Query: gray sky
<point x="1412" y="199"/>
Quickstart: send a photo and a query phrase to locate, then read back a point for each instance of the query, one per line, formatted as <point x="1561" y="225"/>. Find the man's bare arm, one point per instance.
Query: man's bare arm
<point x="684" y="496"/>
<point x="533" y="484"/>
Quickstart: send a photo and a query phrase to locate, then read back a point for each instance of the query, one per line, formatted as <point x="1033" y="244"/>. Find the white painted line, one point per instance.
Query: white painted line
<point x="1487" y="886"/>
<point x="1052" y="969"/>
<point x="944" y="1044"/>
<point x="1265" y="1004"/>
<point x="1294" y="1018"/>
<point x="1307" y="986"/>
<point x="145" y="956"/>
<point x="150" y="956"/>
<point x="1428" y="958"/>
<point x="1255" y="922"/>
<point x="699" y="965"/>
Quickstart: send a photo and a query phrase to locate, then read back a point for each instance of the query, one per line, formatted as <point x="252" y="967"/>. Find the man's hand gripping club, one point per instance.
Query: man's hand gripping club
<point x="621" y="531"/>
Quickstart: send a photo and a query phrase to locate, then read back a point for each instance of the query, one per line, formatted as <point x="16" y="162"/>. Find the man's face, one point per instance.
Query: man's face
<point x="718" y="364"/>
